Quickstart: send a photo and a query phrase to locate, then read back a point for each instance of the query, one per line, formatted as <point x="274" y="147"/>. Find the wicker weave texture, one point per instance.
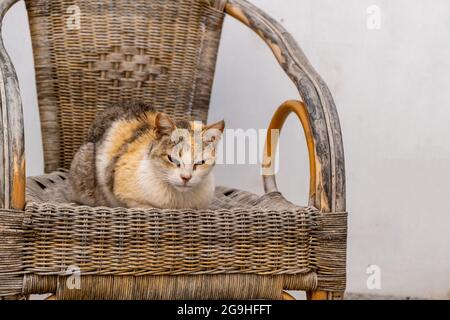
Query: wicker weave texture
<point x="139" y="242"/>
<point x="244" y="246"/>
<point x="162" y="52"/>
<point x="181" y="287"/>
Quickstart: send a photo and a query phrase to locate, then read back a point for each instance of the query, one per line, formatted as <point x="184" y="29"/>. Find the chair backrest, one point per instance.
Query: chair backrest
<point x="89" y="54"/>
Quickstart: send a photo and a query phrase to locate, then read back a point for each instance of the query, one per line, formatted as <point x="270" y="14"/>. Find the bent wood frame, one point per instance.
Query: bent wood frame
<point x="274" y="131"/>
<point x="318" y="115"/>
<point x="328" y="173"/>
<point x="12" y="157"/>
<point x="322" y="114"/>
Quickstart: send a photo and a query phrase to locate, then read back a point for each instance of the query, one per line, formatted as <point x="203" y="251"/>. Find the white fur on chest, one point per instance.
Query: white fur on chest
<point x="156" y="192"/>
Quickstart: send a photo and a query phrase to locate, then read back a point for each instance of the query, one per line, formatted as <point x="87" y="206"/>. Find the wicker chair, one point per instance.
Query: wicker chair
<point x="162" y="52"/>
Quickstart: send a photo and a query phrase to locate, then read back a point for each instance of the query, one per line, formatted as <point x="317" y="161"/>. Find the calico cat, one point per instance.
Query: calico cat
<point x="137" y="157"/>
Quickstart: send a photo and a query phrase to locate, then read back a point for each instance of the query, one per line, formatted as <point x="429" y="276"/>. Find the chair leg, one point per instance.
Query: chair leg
<point x="325" y="295"/>
<point x="287" y="296"/>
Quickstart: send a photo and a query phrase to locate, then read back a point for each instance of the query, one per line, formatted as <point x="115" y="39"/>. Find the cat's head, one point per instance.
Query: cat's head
<point x="184" y="153"/>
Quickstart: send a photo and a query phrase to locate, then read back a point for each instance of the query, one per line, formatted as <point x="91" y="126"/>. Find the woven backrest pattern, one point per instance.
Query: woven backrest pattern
<point x="90" y="54"/>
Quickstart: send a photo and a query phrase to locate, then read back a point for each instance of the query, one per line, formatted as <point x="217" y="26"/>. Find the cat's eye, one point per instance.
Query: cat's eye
<point x="199" y="163"/>
<point x="174" y="161"/>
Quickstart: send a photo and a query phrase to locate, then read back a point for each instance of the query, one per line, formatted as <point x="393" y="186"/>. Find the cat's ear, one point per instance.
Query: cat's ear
<point x="213" y="132"/>
<point x="164" y="124"/>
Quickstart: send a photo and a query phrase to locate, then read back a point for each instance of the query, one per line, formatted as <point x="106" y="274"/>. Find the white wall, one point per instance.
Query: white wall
<point x="391" y="89"/>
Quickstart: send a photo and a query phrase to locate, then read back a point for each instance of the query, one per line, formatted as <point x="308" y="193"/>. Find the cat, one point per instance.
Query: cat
<point x="136" y="157"/>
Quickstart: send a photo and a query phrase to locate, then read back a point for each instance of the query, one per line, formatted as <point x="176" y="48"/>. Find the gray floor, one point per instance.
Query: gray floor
<point x="359" y="296"/>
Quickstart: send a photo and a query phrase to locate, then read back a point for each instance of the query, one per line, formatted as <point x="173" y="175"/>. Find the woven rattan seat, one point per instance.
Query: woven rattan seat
<point x="242" y="241"/>
<point x="163" y="52"/>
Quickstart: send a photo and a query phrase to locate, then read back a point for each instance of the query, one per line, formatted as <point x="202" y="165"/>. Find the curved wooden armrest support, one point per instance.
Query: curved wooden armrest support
<point x="321" y="110"/>
<point x="12" y="159"/>
<point x="273" y="133"/>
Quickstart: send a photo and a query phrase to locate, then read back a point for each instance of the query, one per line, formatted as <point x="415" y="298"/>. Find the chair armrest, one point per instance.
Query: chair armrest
<point x="273" y="134"/>
<point x="12" y="158"/>
<point x="320" y="108"/>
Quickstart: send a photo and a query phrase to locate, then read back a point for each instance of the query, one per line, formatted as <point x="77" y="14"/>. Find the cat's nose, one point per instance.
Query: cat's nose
<point x="186" y="177"/>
